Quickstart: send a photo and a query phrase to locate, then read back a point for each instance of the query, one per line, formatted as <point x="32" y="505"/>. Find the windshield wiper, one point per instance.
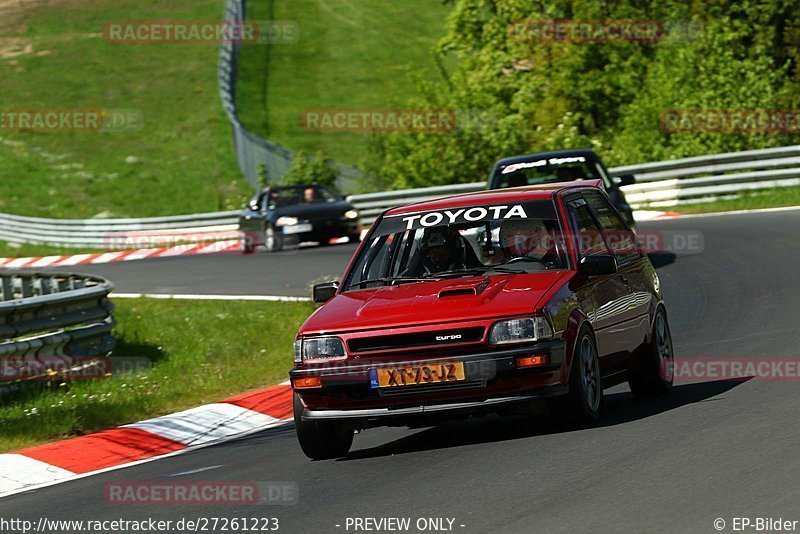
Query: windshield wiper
<point x="457" y="272"/>
<point x="389" y="280"/>
<point x="506" y="267"/>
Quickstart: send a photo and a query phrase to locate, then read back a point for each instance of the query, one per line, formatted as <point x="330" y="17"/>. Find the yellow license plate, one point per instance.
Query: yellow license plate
<point x="428" y="373"/>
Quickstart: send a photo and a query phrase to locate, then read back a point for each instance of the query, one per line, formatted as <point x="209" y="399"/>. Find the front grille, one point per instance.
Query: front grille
<point x="417" y="339"/>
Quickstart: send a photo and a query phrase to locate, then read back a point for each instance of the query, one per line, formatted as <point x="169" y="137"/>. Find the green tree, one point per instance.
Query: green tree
<point x="531" y="95"/>
<point x="306" y="170"/>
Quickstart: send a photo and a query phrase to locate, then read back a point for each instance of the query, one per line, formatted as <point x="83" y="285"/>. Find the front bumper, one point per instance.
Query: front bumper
<point x="322" y="229"/>
<point x="491" y="379"/>
<point x="430" y="409"/>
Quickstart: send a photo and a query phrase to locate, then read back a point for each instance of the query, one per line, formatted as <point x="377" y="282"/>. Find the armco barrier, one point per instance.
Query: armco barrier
<point x="53" y="315"/>
<point x="659" y="184"/>
<point x="114" y="233"/>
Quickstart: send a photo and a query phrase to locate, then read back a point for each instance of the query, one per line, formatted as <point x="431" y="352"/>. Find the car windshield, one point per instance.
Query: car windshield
<point x="487" y="240"/>
<point x="545" y="171"/>
<point x="300" y="194"/>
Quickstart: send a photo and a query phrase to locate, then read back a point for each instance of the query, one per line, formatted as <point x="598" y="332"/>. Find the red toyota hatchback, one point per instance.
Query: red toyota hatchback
<point x="476" y="303"/>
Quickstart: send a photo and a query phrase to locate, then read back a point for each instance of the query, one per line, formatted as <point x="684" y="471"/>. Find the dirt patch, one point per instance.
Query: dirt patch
<point x="11" y="47"/>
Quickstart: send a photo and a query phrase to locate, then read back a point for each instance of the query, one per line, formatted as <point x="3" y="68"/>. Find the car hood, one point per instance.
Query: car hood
<point x="460" y="299"/>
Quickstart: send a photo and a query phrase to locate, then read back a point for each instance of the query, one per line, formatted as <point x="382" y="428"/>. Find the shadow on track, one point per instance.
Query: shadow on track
<point x="661" y="259"/>
<point x="619" y="408"/>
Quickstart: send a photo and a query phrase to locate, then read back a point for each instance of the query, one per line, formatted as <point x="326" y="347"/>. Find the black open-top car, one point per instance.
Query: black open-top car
<point x="285" y="216"/>
<point x="561" y="166"/>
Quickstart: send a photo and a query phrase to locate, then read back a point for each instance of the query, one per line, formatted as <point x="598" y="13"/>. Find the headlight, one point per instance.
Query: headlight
<point x="520" y="331"/>
<point x="298" y="351"/>
<point x="286" y="221"/>
<point x="320" y="348"/>
<point x="351" y="214"/>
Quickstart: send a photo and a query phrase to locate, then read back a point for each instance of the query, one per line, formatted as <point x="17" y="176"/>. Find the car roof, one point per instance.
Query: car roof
<point x="585" y="152"/>
<point x="495" y="196"/>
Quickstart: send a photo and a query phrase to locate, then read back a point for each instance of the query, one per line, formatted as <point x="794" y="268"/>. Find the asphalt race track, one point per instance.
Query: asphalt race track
<point x="285" y="273"/>
<point x="718" y="449"/>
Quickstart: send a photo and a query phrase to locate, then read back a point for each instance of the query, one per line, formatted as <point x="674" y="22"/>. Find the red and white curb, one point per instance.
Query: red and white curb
<point x="651" y="215"/>
<point x="231" y="245"/>
<point x="147" y="440"/>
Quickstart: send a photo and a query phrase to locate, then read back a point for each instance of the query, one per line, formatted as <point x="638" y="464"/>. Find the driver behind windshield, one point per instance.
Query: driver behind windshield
<point x="442" y="249"/>
<point x="526" y="240"/>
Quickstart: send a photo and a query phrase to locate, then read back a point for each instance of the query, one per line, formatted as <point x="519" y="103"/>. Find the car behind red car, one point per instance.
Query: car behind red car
<point x="477" y="303"/>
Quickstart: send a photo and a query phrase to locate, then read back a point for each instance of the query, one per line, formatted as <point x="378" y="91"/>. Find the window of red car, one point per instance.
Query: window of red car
<point x="621" y="239"/>
<point x="590" y="238"/>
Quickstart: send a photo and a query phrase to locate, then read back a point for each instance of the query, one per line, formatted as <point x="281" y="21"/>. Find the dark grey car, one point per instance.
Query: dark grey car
<point x="562" y="166"/>
<point x="286" y="216"/>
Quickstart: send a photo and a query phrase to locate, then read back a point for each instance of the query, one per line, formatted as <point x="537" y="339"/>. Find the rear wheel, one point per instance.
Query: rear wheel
<point x="321" y="440"/>
<point x="654" y="373"/>
<point x="584" y="401"/>
<point x="273" y="239"/>
<point x="354" y="238"/>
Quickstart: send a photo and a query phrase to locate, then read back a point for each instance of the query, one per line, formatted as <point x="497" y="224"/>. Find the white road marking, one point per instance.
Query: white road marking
<point x="47" y="260"/>
<point x="208" y="423"/>
<point x="74" y="260"/>
<point x="193" y="471"/>
<point x="109" y="257"/>
<point x="141" y="254"/>
<point x="18" y="471"/>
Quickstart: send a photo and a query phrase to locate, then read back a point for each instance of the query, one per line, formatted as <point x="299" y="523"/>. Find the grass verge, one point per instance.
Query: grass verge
<point x="767" y="198"/>
<point x="200" y="351"/>
<point x="53" y="55"/>
<point x="357" y="54"/>
<point x="33" y="250"/>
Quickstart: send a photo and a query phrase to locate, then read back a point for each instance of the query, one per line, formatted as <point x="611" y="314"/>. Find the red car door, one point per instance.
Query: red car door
<point x="631" y="264"/>
<point x="605" y="300"/>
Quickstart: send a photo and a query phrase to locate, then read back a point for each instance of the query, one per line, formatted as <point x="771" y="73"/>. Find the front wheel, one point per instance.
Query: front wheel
<point x="273" y="239"/>
<point x="584" y="401"/>
<point x="655" y="369"/>
<point x="246" y="243"/>
<point x="321" y="440"/>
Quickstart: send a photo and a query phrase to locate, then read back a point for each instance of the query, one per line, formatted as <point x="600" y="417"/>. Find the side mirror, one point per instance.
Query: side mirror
<point x="625" y="179"/>
<point x="324" y="292"/>
<point x="598" y="265"/>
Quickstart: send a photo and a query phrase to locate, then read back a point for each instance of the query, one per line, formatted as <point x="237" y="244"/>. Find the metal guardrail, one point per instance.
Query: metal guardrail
<point x="46" y="315"/>
<point x="659" y="184"/>
<point x="113" y="233"/>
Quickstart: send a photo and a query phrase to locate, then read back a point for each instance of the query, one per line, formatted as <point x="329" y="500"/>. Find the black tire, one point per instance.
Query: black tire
<point x="654" y="371"/>
<point x="321" y="440"/>
<point x="246" y="244"/>
<point x="354" y="238"/>
<point x="584" y="402"/>
<point x="273" y="239"/>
